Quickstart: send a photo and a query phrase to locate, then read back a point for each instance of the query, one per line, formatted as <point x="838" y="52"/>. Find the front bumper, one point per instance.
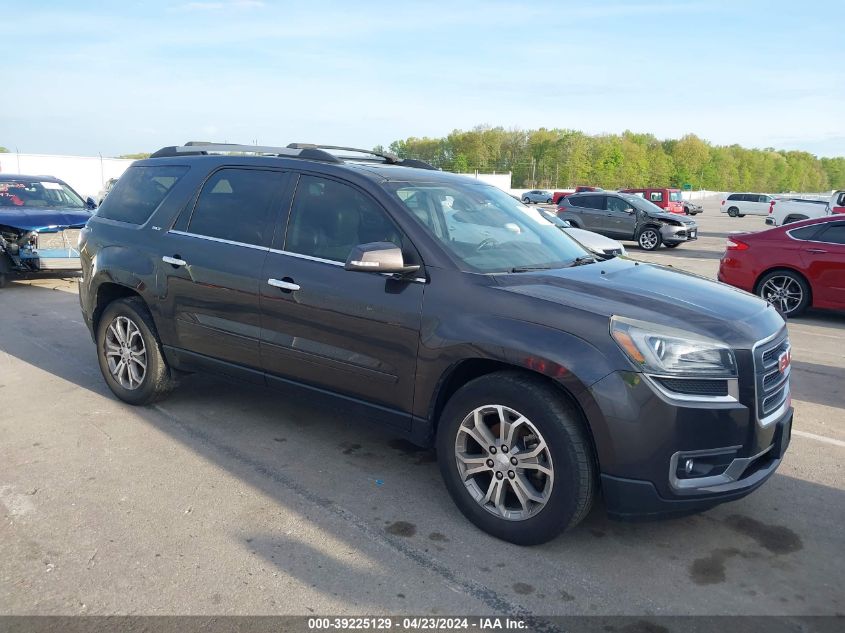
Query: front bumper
<point x="644" y="437"/>
<point x="677" y="234"/>
<point x="638" y="499"/>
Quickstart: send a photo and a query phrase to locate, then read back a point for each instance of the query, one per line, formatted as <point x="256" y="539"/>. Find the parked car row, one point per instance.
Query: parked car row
<point x="781" y="210"/>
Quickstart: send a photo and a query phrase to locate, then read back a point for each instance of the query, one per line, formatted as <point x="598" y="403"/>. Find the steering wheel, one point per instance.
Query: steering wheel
<point x="486" y="243"/>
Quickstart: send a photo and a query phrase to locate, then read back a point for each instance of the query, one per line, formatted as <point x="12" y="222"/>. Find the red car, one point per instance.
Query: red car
<point x="793" y="267"/>
<point x="557" y="196"/>
<point x="670" y="200"/>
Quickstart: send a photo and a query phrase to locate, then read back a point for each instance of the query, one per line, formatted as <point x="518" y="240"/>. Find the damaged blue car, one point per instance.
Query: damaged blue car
<point x="40" y="221"/>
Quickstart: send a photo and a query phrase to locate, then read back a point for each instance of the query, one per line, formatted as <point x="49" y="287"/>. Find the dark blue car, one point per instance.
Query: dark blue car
<point x="40" y="220"/>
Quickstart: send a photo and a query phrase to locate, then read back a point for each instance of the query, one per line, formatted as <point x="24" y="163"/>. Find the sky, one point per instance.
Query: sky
<point x="123" y="77"/>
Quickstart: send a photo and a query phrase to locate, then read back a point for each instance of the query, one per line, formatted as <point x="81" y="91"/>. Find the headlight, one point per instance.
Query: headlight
<point x="668" y="351"/>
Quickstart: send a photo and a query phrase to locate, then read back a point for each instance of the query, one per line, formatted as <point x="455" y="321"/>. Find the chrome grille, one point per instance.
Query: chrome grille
<point x="69" y="238"/>
<point x="771" y="385"/>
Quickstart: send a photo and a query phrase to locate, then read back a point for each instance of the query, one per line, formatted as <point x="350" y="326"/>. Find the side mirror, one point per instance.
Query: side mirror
<point x="378" y="257"/>
<point x="90" y="204"/>
<point x="629" y="210"/>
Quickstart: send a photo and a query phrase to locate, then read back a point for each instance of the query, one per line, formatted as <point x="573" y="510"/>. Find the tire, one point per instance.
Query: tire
<point x="156" y="381"/>
<point x="574" y="225"/>
<point x="566" y="496"/>
<point x="794" y="295"/>
<point x="649" y="238"/>
<point x="549" y="201"/>
<point x="733" y="212"/>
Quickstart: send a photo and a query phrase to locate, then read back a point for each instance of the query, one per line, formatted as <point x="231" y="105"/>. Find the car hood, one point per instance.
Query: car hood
<point x="651" y="293"/>
<point x="35" y="219"/>
<point x="669" y="216"/>
<point x="593" y="241"/>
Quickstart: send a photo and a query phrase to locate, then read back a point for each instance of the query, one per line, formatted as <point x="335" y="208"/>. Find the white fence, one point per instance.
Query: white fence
<point x="86" y="174"/>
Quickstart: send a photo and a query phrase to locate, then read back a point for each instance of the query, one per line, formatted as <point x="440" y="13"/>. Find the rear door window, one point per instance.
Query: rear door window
<point x="238" y="205"/>
<point x="655" y="196"/>
<point x="834" y="234"/>
<point x="589" y="202"/>
<point x="139" y="192"/>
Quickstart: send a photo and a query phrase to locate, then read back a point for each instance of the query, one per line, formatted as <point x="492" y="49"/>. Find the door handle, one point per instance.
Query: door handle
<point x="284" y="285"/>
<point x="816" y="250"/>
<point x="174" y="261"/>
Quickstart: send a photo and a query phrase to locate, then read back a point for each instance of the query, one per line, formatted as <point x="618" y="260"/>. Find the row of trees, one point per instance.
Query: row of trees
<point x="565" y="158"/>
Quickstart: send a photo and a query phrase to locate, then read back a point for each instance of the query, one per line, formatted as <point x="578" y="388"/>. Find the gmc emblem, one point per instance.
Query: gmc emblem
<point x="783" y="360"/>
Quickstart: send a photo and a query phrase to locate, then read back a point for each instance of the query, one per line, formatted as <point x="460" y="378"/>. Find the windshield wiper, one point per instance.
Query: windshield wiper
<point x="584" y="259"/>
<point x="528" y="269"/>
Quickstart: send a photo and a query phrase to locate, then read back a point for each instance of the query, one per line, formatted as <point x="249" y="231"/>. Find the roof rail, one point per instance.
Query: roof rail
<point x="202" y="148"/>
<point x="386" y="157"/>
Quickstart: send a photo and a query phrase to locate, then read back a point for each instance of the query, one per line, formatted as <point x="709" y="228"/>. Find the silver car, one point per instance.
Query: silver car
<point x="537" y="195"/>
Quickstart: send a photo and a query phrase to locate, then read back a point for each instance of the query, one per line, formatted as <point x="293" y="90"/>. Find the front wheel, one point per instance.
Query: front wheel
<point x="787" y="291"/>
<point x="649" y="239"/>
<point x="515" y="458"/>
<point x="129" y="353"/>
<point x="549" y="201"/>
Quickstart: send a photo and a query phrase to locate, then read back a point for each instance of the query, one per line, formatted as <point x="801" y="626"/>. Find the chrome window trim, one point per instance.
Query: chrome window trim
<point x="219" y="240"/>
<point x="798" y="239"/>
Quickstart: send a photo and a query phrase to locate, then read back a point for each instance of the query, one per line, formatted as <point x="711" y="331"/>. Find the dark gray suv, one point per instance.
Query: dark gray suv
<point x="543" y="377"/>
<point x="625" y="216"/>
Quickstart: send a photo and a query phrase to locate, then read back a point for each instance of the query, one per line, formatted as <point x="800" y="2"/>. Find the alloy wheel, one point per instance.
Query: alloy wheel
<point x="783" y="292"/>
<point x="125" y="352"/>
<point x="504" y="462"/>
<point x="648" y="239"/>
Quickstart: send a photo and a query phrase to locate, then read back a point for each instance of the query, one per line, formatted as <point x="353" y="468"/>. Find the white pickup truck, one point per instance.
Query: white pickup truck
<point x="787" y="210"/>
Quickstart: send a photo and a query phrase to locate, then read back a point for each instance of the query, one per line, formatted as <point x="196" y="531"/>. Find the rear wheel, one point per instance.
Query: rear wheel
<point x="129" y="353"/>
<point x="649" y="239"/>
<point x="787" y="291"/>
<point x="733" y="212"/>
<point x="526" y="200"/>
<point x="515" y="458"/>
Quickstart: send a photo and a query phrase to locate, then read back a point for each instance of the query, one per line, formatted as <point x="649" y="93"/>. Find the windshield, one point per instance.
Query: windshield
<point x="485" y="229"/>
<point x="641" y="203"/>
<point x="675" y="196"/>
<point x="38" y="194"/>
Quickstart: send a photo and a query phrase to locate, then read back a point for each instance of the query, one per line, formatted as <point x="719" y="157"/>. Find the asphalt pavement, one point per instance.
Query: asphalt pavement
<point x="231" y="499"/>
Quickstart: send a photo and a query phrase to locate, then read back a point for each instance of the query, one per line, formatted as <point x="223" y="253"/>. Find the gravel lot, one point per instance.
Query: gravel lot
<point x="229" y="499"/>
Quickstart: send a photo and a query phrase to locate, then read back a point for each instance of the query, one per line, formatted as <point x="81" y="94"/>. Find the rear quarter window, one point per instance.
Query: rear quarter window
<point x="139" y="192"/>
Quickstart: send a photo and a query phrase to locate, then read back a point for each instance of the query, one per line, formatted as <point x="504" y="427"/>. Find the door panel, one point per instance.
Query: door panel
<point x="210" y="264"/>
<point x="349" y="332"/>
<point x="824" y="261"/>
<point x="618" y="223"/>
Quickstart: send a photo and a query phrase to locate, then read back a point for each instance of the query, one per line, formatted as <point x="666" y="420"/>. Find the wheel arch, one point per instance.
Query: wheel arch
<point x="469" y="369"/>
<point x="107" y="293"/>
